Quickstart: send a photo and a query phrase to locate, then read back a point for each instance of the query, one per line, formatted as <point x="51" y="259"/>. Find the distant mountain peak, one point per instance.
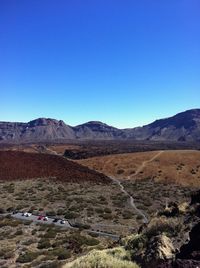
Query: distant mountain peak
<point x="96" y="123"/>
<point x="184" y="126"/>
<point x="42" y="121"/>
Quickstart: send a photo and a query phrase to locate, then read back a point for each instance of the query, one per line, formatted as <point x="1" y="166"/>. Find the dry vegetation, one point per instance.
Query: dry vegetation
<point x="179" y="167"/>
<point x="151" y="196"/>
<point x="102" y="207"/>
<point x="152" y="178"/>
<point x="26" y="244"/>
<point x="112" y="258"/>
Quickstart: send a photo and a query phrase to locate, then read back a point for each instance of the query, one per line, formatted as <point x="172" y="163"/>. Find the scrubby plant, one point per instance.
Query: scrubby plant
<point x="50" y="233"/>
<point x="28" y="256"/>
<point x="171" y="227"/>
<point x="120" y="171"/>
<point x="102" y="259"/>
<point x="107" y="210"/>
<point x="44" y="243"/>
<point x="2" y="210"/>
<point x="71" y="215"/>
<point x="135" y="243"/>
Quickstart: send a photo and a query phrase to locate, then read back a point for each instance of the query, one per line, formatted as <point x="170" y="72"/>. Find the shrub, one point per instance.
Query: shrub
<point x="60" y="211"/>
<point x="120" y="171"/>
<point x="9" y="222"/>
<point x="107" y="216"/>
<point x="139" y="217"/>
<point x="97" y="258"/>
<point x="99" y="210"/>
<point x="54" y="264"/>
<point x="70" y="215"/>
<point x="27" y="257"/>
<point x="19" y="232"/>
<point x="44" y="243"/>
<point x="91" y="242"/>
<point x="6" y="253"/>
<point x="81" y="225"/>
<point x="64" y="255"/>
<point x="51" y="213"/>
<point x="2" y="210"/>
<point x="127" y="214"/>
<point x="34" y="231"/>
<point x="50" y="233"/>
<point x="136" y="243"/>
<point x="107" y="210"/>
<point x="162" y="225"/>
<point x="29" y="242"/>
<point x="10" y="209"/>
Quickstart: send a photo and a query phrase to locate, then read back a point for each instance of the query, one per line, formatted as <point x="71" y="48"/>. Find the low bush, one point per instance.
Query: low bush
<point x="50" y="233"/>
<point x="2" y="210"/>
<point x="51" y="213"/>
<point x="44" y="243"/>
<point x="27" y="257"/>
<point x="107" y="210"/>
<point x="97" y="258"/>
<point x="120" y="171"/>
<point x="18" y="232"/>
<point x="81" y="225"/>
<point x="71" y="215"/>
<point x="107" y="216"/>
<point x="171" y="227"/>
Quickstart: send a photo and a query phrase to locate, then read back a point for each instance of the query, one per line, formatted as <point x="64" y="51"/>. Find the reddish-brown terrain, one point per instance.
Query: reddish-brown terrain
<point x="20" y="165"/>
<point x="181" y="167"/>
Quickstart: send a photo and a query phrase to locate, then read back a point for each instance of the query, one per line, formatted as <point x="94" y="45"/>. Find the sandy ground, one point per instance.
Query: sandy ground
<point x="179" y="167"/>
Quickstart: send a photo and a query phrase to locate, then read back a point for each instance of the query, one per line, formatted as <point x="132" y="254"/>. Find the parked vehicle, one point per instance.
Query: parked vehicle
<point x="28" y="214"/>
<point x="24" y="214"/>
<point x="62" y="222"/>
<point x="45" y="218"/>
<point x="15" y="212"/>
<point x="40" y="218"/>
<point x="55" y="220"/>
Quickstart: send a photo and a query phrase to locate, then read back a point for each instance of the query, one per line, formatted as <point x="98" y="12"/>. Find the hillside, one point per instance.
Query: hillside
<point x="184" y="127"/>
<point x="169" y="240"/>
<point x="179" y="167"/>
<point x="20" y="165"/>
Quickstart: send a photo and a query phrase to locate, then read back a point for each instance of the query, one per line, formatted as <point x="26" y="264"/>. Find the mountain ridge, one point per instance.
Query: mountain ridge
<point x="184" y="126"/>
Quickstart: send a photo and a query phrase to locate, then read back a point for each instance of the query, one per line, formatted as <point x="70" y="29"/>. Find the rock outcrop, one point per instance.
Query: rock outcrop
<point x="159" y="249"/>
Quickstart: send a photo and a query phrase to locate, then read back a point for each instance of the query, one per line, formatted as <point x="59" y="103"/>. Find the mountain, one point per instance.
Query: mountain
<point x="97" y="130"/>
<point x="184" y="126"/>
<point x="41" y="129"/>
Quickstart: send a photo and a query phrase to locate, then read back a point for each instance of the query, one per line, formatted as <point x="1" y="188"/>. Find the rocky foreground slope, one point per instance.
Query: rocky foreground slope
<point x="184" y="126"/>
<point x="169" y="240"/>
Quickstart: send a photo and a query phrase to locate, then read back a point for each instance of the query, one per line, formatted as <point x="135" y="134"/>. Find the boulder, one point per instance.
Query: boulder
<point x="159" y="250"/>
<point x="195" y="198"/>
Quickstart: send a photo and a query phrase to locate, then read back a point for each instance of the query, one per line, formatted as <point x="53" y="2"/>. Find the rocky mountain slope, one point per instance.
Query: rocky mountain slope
<point x="184" y="126"/>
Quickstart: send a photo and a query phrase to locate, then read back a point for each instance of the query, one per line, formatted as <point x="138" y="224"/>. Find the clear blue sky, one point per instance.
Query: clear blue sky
<point x="124" y="62"/>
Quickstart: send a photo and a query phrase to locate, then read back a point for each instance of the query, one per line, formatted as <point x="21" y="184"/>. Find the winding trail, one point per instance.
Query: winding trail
<point x="131" y="199"/>
<point x="143" y="165"/>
